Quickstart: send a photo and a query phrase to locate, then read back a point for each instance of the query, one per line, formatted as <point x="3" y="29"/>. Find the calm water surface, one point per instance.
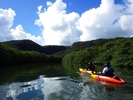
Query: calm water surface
<point x="46" y="82"/>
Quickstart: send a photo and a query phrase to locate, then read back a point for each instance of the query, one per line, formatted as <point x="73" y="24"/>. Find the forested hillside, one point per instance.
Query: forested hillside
<point x="119" y="51"/>
<point x="28" y="45"/>
<point x="13" y="56"/>
<point x="82" y="45"/>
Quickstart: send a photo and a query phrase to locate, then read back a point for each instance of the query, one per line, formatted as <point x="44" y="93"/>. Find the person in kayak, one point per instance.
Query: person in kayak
<point x="91" y="66"/>
<point x="108" y="70"/>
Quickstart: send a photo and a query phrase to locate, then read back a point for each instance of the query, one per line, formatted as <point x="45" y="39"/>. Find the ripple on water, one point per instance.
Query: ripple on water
<point x="94" y="92"/>
<point x="102" y="91"/>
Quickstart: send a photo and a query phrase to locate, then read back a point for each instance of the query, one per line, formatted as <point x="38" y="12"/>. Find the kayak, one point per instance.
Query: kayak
<point x="107" y="79"/>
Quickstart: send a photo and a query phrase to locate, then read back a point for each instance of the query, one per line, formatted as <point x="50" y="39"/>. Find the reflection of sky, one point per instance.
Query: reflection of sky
<point x="14" y="91"/>
<point x="54" y="88"/>
<point x="60" y="88"/>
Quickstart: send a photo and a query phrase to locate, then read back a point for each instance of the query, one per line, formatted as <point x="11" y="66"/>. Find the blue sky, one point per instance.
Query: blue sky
<point x="63" y="22"/>
<point x="26" y="10"/>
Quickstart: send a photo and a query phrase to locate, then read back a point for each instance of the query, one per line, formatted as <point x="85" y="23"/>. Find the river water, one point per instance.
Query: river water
<point x="58" y="83"/>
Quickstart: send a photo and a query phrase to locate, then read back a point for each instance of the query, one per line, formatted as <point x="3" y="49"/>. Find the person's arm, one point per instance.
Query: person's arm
<point x="104" y="70"/>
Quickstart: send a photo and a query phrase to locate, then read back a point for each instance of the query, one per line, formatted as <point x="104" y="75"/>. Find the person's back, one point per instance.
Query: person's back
<point x="108" y="70"/>
<point x="91" y="66"/>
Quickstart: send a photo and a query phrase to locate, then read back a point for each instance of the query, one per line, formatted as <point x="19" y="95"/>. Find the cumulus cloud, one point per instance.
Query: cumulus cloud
<point x="8" y="33"/>
<point x="62" y="28"/>
<point x="107" y="21"/>
<point x="6" y="21"/>
<point x="19" y="33"/>
<point x="58" y="26"/>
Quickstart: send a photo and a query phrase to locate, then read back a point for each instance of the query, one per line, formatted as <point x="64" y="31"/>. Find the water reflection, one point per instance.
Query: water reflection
<point x="60" y="84"/>
<point x="97" y="90"/>
<point x="60" y="88"/>
<point x="43" y="88"/>
<point x="18" y="91"/>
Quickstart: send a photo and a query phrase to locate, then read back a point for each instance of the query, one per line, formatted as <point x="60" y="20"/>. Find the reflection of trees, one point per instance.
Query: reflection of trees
<point x="23" y="73"/>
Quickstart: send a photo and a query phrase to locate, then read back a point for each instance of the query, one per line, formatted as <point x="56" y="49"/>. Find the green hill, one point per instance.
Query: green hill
<point x="117" y="50"/>
<point x="28" y="45"/>
<point x="82" y="45"/>
<point x="14" y="56"/>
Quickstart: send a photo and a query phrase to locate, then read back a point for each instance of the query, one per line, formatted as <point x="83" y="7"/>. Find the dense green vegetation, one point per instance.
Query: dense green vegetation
<point x="119" y="51"/>
<point x="28" y="45"/>
<point x="13" y="56"/>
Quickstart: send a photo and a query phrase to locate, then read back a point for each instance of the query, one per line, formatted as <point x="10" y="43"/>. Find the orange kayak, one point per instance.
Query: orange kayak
<point x="107" y="79"/>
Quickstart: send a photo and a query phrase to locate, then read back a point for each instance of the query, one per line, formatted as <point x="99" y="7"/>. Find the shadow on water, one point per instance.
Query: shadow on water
<point x="57" y="82"/>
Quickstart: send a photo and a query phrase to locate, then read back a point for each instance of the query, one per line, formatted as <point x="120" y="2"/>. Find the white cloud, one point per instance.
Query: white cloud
<point x="6" y="21"/>
<point x="59" y="27"/>
<point x="18" y="33"/>
<point x="106" y="21"/>
<point x="62" y="28"/>
<point x="49" y="3"/>
<point x="8" y="33"/>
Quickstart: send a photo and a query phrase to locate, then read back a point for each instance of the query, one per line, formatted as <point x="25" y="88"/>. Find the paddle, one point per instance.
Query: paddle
<point x="117" y="73"/>
<point x="84" y="71"/>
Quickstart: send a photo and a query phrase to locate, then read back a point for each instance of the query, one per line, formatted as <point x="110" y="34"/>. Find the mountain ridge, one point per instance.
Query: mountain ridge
<point x="29" y="45"/>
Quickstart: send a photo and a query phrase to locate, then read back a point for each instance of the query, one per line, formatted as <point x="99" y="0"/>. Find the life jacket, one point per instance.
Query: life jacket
<point x="92" y="67"/>
<point x="109" y="72"/>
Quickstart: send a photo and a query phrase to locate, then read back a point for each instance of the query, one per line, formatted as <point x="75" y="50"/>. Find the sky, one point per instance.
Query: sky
<point x="63" y="22"/>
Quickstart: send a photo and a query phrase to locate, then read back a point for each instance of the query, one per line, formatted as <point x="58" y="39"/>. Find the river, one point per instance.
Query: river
<point x="55" y="82"/>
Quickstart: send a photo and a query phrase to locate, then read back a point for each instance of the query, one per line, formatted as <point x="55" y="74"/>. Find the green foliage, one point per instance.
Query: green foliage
<point x="13" y="56"/>
<point x="28" y="45"/>
<point x="119" y="51"/>
<point x="81" y="56"/>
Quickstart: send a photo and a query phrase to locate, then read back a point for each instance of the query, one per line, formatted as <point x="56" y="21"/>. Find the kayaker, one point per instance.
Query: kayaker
<point x="108" y="70"/>
<point x="91" y="66"/>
